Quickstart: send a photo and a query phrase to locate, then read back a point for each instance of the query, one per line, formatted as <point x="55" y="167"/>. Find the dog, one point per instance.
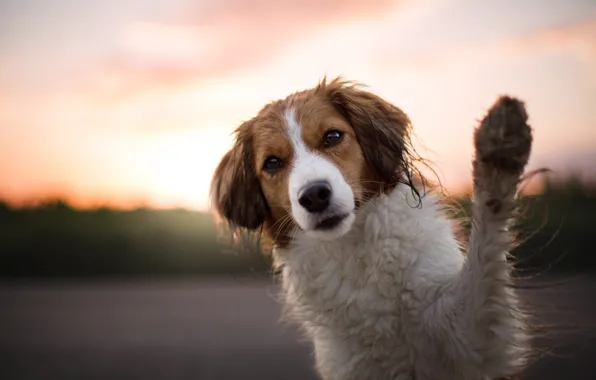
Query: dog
<point x="371" y="266"/>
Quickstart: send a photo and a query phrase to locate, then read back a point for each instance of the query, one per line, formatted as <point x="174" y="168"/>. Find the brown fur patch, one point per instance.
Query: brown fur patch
<point x="235" y="185"/>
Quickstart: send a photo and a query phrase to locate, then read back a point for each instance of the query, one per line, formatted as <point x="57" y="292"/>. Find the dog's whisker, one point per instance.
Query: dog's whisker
<point x="280" y="220"/>
<point x="283" y="226"/>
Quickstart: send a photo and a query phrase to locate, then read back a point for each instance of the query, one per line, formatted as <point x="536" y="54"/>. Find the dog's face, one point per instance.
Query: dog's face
<point x="310" y="166"/>
<point x="309" y="161"/>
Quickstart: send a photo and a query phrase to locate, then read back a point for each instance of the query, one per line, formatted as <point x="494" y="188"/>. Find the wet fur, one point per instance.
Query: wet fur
<point x="398" y="297"/>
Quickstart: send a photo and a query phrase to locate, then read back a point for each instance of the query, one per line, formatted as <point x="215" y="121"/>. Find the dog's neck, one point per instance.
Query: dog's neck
<point x="409" y="222"/>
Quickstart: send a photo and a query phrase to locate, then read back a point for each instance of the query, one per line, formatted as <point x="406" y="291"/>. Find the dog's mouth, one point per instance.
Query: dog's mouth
<point x="331" y="222"/>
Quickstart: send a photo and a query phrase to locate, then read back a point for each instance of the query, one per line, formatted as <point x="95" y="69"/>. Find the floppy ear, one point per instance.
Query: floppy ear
<point x="382" y="129"/>
<point x="235" y="190"/>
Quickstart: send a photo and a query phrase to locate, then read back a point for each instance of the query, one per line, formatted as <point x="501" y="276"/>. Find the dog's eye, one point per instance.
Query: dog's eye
<point x="272" y="164"/>
<point x="332" y="138"/>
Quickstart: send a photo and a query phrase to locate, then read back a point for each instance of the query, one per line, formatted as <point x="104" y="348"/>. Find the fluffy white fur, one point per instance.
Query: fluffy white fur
<point x="396" y="297"/>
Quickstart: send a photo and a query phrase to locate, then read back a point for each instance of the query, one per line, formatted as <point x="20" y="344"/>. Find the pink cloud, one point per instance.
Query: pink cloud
<point x="578" y="38"/>
<point x="228" y="36"/>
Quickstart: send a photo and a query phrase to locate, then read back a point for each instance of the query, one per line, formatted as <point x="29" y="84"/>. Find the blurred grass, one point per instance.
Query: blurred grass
<point x="54" y="240"/>
<point x="556" y="229"/>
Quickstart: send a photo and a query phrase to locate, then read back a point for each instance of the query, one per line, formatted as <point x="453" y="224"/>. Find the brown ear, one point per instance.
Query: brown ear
<point x="381" y="128"/>
<point x="235" y="190"/>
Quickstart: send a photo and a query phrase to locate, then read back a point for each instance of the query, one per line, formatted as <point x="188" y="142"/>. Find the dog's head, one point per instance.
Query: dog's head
<point x="309" y="161"/>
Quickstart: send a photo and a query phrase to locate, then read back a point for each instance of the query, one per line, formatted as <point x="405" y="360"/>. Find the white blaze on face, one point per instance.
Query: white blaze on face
<point x="309" y="167"/>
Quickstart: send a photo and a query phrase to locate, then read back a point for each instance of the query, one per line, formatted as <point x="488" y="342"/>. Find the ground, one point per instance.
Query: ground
<point x="215" y="329"/>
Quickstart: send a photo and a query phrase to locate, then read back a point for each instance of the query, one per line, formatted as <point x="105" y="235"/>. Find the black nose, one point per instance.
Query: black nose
<point x="315" y="197"/>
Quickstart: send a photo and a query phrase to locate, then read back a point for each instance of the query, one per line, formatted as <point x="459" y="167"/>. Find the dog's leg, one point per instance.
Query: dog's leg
<point x="502" y="148"/>
<point x="485" y="332"/>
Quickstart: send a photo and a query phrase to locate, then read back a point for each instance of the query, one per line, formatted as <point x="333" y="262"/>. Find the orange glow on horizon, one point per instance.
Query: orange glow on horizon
<point x="137" y="108"/>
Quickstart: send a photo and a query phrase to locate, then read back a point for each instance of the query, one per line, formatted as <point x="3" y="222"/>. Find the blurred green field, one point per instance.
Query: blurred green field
<point x="54" y="240"/>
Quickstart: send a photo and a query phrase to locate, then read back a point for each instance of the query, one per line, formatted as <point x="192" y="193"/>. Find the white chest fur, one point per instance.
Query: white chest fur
<point x="362" y="297"/>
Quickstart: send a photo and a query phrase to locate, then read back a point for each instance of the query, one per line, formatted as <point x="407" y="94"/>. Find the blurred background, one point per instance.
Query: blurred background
<point x="114" y="114"/>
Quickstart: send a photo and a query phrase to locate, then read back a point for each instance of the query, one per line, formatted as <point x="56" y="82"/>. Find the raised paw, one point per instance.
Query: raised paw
<point x="504" y="139"/>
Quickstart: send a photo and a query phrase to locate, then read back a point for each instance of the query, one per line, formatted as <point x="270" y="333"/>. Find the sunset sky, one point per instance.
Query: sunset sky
<point x="132" y="102"/>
